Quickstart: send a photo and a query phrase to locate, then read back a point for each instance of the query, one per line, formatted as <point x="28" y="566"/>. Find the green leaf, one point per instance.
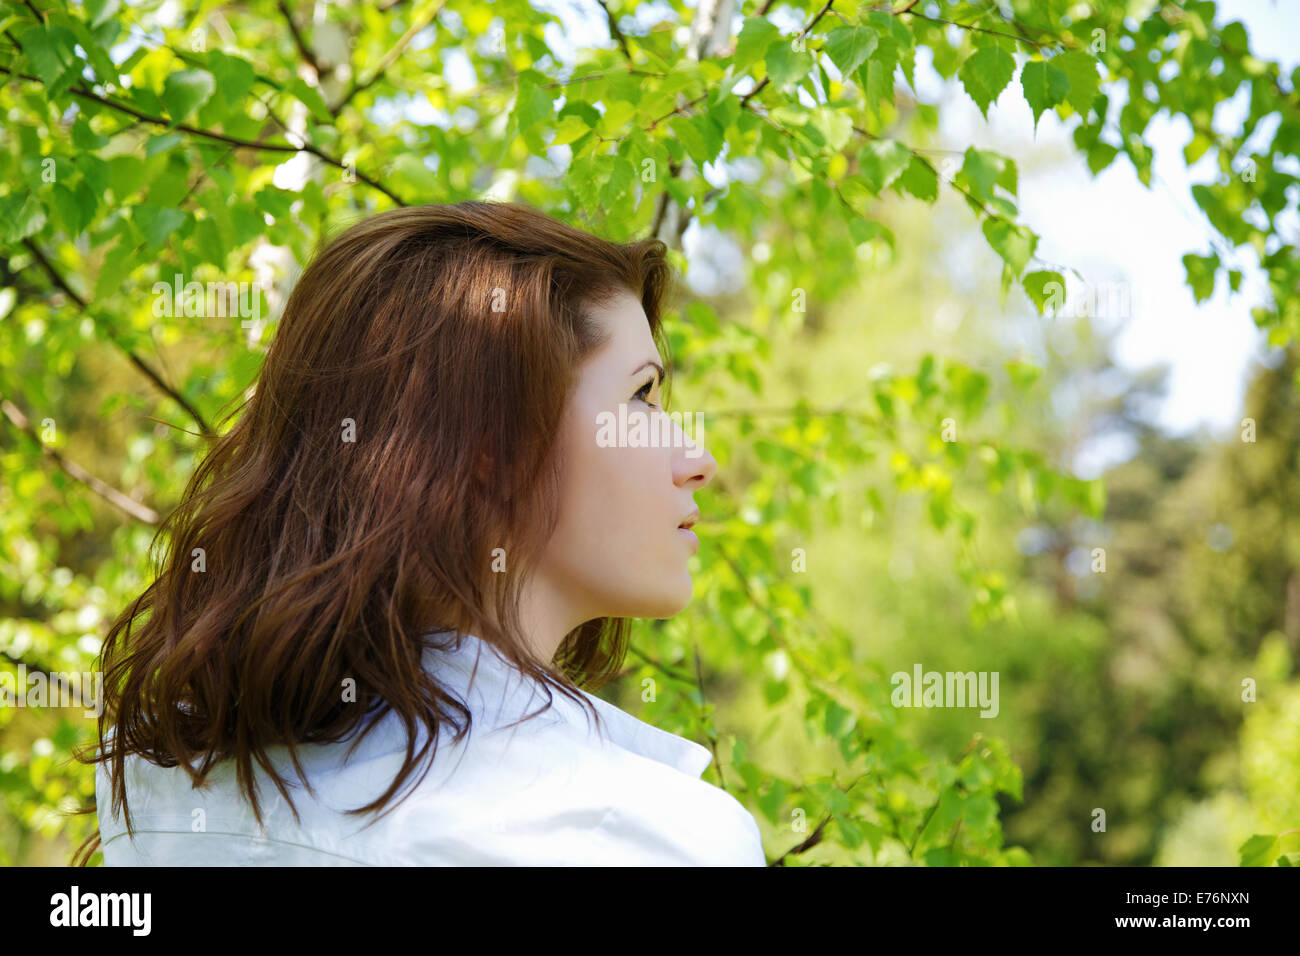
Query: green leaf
<point x="876" y="75"/>
<point x="83" y="137"/>
<point x="96" y="45"/>
<point x="849" y="47"/>
<point x="156" y="223"/>
<point x="101" y="10"/>
<point x="864" y="230"/>
<point x="1022" y="374"/>
<point x="835" y="125"/>
<point x="1015" y="244"/>
<point x="617" y="184"/>
<point x="571" y="128"/>
<point x="985" y="74"/>
<point x="69" y="209"/>
<point x="1196" y="146"/>
<point x="207" y="242"/>
<point x="311" y="98"/>
<point x="1101" y="156"/>
<point x="755" y="38"/>
<point x="700" y="136"/>
<point x="1044" y="85"/>
<point x="1095" y="498"/>
<point x="903" y="38"/>
<point x="534" y="109"/>
<point x="1200" y="274"/>
<point x="919" y="179"/>
<point x="276" y="201"/>
<point x="945" y="816"/>
<point x="413" y="177"/>
<point x="786" y="65"/>
<point x="1044" y="288"/>
<point x="234" y="76"/>
<point x="702" y="317"/>
<point x="168" y="184"/>
<point x="1259" y="850"/>
<point x="881" y="161"/>
<point x="161" y="144"/>
<point x="186" y="91"/>
<point x="29" y="221"/>
<point x="982" y="170"/>
<point x="46" y="52"/>
<point x="1081" y="70"/>
<point x="872" y="834"/>
<point x="127" y="174"/>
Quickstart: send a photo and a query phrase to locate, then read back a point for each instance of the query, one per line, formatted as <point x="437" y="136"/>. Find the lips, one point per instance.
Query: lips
<point x="690" y="519"/>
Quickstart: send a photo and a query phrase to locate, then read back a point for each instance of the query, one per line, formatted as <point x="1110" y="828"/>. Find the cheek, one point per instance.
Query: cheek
<point x="614" y="499"/>
<point x="618" y="500"/>
<point x="616" y="540"/>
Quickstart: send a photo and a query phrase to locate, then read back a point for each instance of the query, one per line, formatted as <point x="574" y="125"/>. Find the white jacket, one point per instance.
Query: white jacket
<point x="547" y="792"/>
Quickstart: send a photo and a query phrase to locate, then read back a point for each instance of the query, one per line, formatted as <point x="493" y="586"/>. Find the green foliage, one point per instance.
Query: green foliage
<point x="223" y="147"/>
<point x="1045" y="86"/>
<point x="986" y="74"/>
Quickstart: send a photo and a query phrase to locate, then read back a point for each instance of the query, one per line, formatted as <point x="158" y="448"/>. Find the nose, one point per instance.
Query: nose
<point x="692" y="462"/>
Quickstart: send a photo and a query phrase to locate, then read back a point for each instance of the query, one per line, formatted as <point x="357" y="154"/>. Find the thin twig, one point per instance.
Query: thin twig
<point x="303" y="49"/>
<point x="110" y="494"/>
<point x="144" y="367"/>
<point x="386" y="60"/>
<point x="614" y="31"/>
<point x="219" y="137"/>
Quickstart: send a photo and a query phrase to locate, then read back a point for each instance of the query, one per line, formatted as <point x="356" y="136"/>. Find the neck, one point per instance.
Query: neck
<point x="547" y="616"/>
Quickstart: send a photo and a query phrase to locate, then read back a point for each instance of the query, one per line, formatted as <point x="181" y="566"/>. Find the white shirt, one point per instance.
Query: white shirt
<point x="550" y="791"/>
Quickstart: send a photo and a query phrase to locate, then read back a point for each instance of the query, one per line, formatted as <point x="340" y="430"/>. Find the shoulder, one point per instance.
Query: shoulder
<point x="555" y="793"/>
<point x="554" y="788"/>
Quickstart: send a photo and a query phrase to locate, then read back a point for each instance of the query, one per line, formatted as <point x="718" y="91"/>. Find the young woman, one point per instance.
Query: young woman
<point x="410" y="540"/>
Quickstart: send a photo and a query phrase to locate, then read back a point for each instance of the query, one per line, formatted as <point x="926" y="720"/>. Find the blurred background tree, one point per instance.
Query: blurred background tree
<point x="896" y="428"/>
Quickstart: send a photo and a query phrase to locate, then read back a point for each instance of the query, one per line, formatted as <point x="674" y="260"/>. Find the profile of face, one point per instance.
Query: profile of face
<point x="618" y="549"/>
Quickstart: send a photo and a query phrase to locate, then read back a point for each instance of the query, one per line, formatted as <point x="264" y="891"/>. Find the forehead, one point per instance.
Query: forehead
<point x="626" y="328"/>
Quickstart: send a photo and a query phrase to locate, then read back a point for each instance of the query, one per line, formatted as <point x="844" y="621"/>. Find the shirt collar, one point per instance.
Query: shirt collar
<point x="503" y="694"/>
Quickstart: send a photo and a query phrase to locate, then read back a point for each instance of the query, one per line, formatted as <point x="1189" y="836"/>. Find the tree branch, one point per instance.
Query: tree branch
<point x="966" y="26"/>
<point x="386" y="61"/>
<point x="614" y="31"/>
<point x="806" y="845"/>
<point x="304" y="50"/>
<point x="675" y="675"/>
<point x="110" y="494"/>
<point x="219" y="137"/>
<point x="816" y="836"/>
<point x="704" y="702"/>
<point x="144" y="367"/>
<point x="744" y="100"/>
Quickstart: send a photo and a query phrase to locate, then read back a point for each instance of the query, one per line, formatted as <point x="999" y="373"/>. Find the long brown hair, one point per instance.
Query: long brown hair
<point x="400" y="430"/>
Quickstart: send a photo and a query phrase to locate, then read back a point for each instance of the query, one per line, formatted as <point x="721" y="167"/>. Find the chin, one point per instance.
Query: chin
<point x="666" y="603"/>
<point x="677" y="601"/>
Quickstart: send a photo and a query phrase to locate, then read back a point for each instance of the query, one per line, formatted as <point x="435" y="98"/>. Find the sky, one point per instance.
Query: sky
<point x="1111" y="228"/>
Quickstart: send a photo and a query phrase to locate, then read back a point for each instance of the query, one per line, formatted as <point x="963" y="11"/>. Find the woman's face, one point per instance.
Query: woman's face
<point x="617" y="550"/>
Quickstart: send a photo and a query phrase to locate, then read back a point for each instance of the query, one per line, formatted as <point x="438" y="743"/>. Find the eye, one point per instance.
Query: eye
<point x="643" y="393"/>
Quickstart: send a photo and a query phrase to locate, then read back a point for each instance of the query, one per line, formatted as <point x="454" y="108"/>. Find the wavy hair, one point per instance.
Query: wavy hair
<point x="401" y="428"/>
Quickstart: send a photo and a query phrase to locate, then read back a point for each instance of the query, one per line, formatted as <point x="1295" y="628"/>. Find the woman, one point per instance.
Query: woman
<point x="407" y="543"/>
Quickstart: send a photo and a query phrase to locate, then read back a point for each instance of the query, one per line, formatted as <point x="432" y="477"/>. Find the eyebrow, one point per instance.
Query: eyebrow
<point x="659" y="368"/>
